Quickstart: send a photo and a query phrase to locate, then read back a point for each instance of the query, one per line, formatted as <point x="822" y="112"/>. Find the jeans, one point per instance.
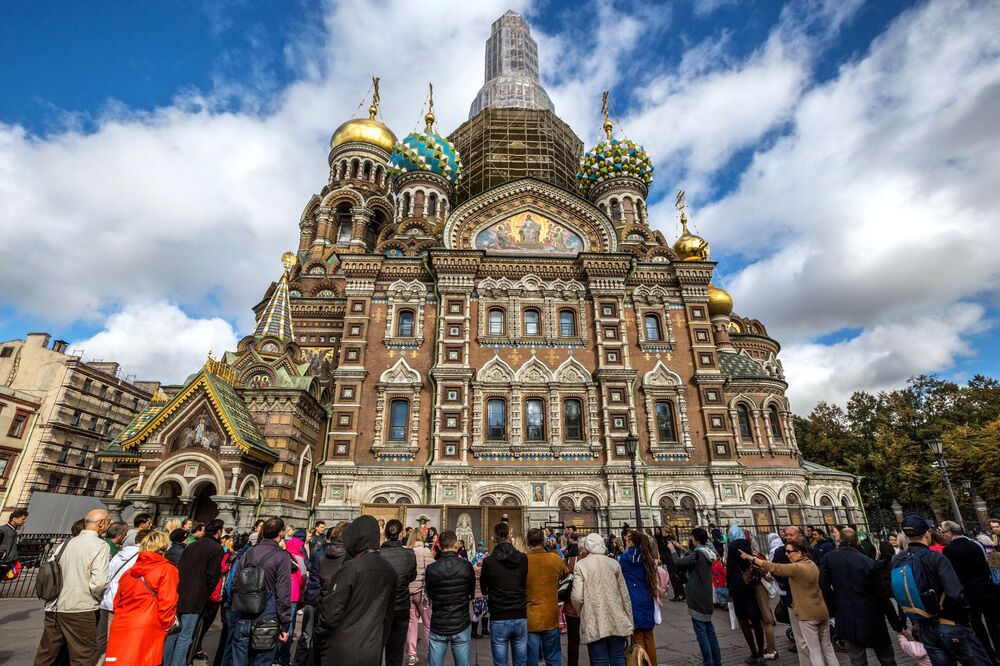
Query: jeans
<point x="284" y="655"/>
<point x="948" y="645"/>
<point x="514" y="632"/>
<point x="240" y="652"/>
<point x="461" y="648"/>
<point x="608" y="651"/>
<point x="176" y="647"/>
<point x="547" y="644"/>
<point x="708" y="643"/>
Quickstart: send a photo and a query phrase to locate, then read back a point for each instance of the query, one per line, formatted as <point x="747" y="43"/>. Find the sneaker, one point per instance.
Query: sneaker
<point x="412" y="661"/>
<point x="200" y="654"/>
<point x="770" y="656"/>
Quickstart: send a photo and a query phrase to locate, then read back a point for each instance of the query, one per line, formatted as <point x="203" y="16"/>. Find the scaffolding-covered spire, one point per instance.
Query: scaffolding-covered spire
<point x="511" y="69"/>
<point x="276" y="318"/>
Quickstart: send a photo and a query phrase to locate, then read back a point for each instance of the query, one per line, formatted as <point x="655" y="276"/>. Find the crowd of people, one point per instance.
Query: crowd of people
<point x="368" y="592"/>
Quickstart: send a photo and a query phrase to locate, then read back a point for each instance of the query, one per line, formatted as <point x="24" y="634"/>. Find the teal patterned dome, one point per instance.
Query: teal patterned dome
<point x="426" y="151"/>
<point x="614" y="158"/>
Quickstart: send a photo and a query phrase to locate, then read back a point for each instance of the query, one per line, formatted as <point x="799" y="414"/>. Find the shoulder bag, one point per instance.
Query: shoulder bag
<point x="175" y="628"/>
<point x="49" y="580"/>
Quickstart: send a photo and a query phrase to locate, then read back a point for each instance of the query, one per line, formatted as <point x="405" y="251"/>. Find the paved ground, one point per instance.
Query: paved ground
<point x="21" y="620"/>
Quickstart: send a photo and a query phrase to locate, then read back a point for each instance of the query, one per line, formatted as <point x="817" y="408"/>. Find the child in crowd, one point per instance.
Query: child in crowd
<point x="719" y="584"/>
<point x="909" y="643"/>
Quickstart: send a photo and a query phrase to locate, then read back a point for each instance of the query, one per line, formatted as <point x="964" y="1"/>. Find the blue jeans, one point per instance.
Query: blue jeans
<point x="461" y="648"/>
<point x="176" y="647"/>
<point x="547" y="644"/>
<point x="240" y="652"/>
<point x="708" y="643"/>
<point x="608" y="651"/>
<point x="948" y="645"/>
<point x="285" y="649"/>
<point x="514" y="632"/>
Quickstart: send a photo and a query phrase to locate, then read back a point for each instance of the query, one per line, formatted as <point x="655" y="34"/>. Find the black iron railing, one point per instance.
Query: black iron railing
<point x="32" y="549"/>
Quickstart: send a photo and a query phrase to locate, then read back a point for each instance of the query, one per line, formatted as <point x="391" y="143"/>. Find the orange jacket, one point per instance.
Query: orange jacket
<point x="142" y="618"/>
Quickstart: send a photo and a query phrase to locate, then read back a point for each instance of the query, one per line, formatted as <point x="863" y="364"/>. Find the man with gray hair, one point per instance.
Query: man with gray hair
<point x="854" y="595"/>
<point x="71" y="618"/>
<point x="968" y="558"/>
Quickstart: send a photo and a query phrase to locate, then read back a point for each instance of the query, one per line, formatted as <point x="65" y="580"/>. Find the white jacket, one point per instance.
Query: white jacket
<point x="601" y="598"/>
<point x="84" y="566"/>
<point x="120" y="563"/>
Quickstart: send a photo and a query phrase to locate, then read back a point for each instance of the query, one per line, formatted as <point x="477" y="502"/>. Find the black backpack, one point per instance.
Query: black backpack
<point x="250" y="595"/>
<point x="49" y="579"/>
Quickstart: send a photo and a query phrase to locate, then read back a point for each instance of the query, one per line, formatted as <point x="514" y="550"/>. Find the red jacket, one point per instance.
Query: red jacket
<point x="141" y="618"/>
<point x="718" y="574"/>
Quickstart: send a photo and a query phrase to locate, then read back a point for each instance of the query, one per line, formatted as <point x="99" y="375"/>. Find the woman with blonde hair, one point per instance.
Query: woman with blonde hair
<point x="418" y="609"/>
<point x="145" y="606"/>
<point x="171" y="525"/>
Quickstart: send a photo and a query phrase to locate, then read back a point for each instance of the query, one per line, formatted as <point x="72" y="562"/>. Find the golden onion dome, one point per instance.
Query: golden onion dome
<point x="364" y="130"/>
<point x="690" y="247"/>
<point x="719" y="301"/>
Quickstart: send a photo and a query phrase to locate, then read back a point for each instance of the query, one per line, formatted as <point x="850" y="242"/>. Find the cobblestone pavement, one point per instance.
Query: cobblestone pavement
<point x="21" y="620"/>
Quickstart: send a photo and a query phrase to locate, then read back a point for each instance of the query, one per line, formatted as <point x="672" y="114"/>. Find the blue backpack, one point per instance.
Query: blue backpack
<point x="913" y="586"/>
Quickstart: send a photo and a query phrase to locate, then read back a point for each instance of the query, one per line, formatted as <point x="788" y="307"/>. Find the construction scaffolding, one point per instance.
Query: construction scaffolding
<point x="501" y="145"/>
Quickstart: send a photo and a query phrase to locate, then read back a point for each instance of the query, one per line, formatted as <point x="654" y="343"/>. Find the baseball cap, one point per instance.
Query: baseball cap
<point x="915" y="525"/>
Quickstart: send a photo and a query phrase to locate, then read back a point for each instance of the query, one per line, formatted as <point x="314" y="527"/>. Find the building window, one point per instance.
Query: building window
<point x="404" y="325"/>
<point x="6" y="351"/>
<point x="573" y="419"/>
<point x="17" y="425"/>
<point x="653" y="328"/>
<point x="743" y="416"/>
<point x="344" y="233"/>
<point x="665" y="429"/>
<point x="534" y="419"/>
<point x="64" y="452"/>
<point x="55" y="480"/>
<point x="81" y="459"/>
<point x="532" y="322"/>
<point x="87" y="384"/>
<point x="118" y="396"/>
<point x="399" y="414"/>
<point x="496" y="419"/>
<point x="4" y="462"/>
<point x="496" y="321"/>
<point x="92" y="427"/>
<point x="104" y="391"/>
<point x="616" y="211"/>
<point x="107" y="427"/>
<point x="775" y="421"/>
<point x="567" y="323"/>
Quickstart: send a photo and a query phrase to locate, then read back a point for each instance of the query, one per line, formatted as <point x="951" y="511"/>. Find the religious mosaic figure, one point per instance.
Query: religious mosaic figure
<point x="530" y="229"/>
<point x="199" y="435"/>
<point x="463" y="530"/>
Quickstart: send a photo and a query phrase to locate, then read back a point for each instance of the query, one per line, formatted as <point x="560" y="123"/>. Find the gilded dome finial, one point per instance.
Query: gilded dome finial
<point x="681" y="206"/>
<point x="688" y="247"/>
<point x="373" y="109"/>
<point x="604" y="110"/>
<point x="288" y="260"/>
<point x="429" y="118"/>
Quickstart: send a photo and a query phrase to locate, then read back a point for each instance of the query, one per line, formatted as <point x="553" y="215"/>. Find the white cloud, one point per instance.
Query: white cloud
<point x="158" y="341"/>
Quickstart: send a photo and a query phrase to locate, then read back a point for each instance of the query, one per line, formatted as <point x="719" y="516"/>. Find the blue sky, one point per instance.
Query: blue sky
<point x="155" y="158"/>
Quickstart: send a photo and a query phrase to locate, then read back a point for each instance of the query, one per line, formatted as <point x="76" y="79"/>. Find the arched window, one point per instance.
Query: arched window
<point x="432" y="205"/>
<point x="406" y="204"/>
<point x="791" y="498"/>
<point x="496" y="419"/>
<point x="304" y="478"/>
<point x="404" y="324"/>
<point x="534" y="420"/>
<point x="775" y="421"/>
<point x="344" y="228"/>
<point x="616" y="211"/>
<point x="496" y="321"/>
<point x="87" y="384"/>
<point x="743" y="416"/>
<point x="368" y="170"/>
<point x="379" y="172"/>
<point x="567" y="323"/>
<point x="572" y="419"/>
<point x="652" y="328"/>
<point x="355" y="168"/>
<point x="665" y="429"/>
<point x="532" y="322"/>
<point x="399" y="415"/>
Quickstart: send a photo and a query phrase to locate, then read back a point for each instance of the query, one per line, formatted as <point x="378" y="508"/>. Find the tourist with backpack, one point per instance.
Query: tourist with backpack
<point x="8" y="540"/>
<point x="968" y="558"/>
<point x="72" y="585"/>
<point x="261" y="599"/>
<point x="930" y="595"/>
<point x="698" y="564"/>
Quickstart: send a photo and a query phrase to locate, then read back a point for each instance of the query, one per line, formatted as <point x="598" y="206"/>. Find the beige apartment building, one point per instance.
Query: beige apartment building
<point x="56" y="411"/>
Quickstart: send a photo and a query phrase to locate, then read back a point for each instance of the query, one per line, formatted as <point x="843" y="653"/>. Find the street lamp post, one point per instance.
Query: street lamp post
<point x="631" y="447"/>
<point x="937" y="448"/>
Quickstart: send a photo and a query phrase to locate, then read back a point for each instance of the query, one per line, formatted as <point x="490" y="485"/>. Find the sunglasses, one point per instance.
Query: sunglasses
<point x="791" y="550"/>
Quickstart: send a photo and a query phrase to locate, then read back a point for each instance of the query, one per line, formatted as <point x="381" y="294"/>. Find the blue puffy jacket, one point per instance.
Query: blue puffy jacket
<point x="638" y="589"/>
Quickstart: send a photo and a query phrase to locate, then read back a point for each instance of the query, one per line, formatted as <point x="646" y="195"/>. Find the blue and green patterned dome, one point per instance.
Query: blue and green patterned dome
<point x="426" y="151"/>
<point x="614" y="158"/>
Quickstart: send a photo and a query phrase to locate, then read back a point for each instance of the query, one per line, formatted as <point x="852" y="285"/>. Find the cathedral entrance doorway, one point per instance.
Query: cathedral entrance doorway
<point x="583" y="518"/>
<point x="204" y="508"/>
<point x="681" y="518"/>
<point x="761" y="509"/>
<point x="794" y="510"/>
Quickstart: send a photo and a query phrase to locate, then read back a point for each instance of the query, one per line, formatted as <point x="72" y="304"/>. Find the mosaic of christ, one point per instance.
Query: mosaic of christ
<point x="529" y="233"/>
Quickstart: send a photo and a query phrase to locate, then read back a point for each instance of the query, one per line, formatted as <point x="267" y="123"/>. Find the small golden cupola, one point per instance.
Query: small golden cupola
<point x="720" y="303"/>
<point x="366" y="130"/>
<point x="689" y="247"/>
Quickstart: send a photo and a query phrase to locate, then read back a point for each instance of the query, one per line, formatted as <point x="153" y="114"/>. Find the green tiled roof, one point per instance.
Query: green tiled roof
<point x="816" y="468"/>
<point x="740" y="365"/>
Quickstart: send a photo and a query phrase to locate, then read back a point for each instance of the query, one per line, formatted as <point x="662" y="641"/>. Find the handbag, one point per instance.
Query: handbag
<point x="753" y="574"/>
<point x="781" y="612"/>
<point x="264" y="635"/>
<point x="175" y="628"/>
<point x="565" y="588"/>
<point x="635" y="655"/>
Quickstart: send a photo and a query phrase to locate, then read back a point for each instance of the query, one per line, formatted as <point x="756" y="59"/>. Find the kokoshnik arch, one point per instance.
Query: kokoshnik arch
<point x="470" y="327"/>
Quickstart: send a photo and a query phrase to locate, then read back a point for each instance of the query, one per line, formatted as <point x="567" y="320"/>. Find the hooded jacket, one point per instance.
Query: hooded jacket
<point x="334" y="557"/>
<point x="504" y="581"/>
<point x="404" y="563"/>
<point x="143" y="617"/>
<point x="357" y="613"/>
<point x="450" y="583"/>
<point x="698" y="565"/>
<point x="638" y="589"/>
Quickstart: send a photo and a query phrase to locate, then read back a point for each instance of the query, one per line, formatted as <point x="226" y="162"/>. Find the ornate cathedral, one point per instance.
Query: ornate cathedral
<point x="476" y="325"/>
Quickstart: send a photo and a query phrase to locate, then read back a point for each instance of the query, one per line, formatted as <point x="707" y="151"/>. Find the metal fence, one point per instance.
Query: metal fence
<point x="32" y="549"/>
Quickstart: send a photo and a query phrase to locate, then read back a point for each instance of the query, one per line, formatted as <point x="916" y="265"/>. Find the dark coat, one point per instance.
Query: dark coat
<point x="820" y="550"/>
<point x="174" y="553"/>
<point x="638" y="589"/>
<point x="450" y="583"/>
<point x="357" y="613"/>
<point x="334" y="557"/>
<point x="854" y="595"/>
<point x="199" y="568"/>
<point x="741" y="596"/>
<point x="277" y="566"/>
<point x="698" y="565"/>
<point x="404" y="563"/>
<point x="969" y="562"/>
<point x="504" y="581"/>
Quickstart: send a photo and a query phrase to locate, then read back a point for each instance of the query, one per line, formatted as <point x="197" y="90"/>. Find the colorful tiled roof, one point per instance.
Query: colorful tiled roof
<point x="740" y="365"/>
<point x="276" y="318"/>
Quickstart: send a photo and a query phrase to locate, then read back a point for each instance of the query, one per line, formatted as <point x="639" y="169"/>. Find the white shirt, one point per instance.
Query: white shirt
<point x="120" y="563"/>
<point x="84" y="566"/>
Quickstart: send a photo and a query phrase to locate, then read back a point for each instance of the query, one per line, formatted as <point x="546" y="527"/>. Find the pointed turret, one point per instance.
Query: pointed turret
<point x="276" y="318"/>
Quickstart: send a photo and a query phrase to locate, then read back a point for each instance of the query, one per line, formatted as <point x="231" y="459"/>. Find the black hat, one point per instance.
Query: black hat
<point x="178" y="536"/>
<point x="915" y="525"/>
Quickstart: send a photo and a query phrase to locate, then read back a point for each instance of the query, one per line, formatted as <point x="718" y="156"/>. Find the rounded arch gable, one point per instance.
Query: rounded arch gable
<point x="502" y="488"/>
<point x="250" y="488"/>
<point x="743" y="397"/>
<point x="130" y="486"/>
<point x="760" y="489"/>
<point x="342" y="194"/>
<point x="390" y="488"/>
<point x="667" y="491"/>
<point x="173" y="463"/>
<point x="577" y="489"/>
